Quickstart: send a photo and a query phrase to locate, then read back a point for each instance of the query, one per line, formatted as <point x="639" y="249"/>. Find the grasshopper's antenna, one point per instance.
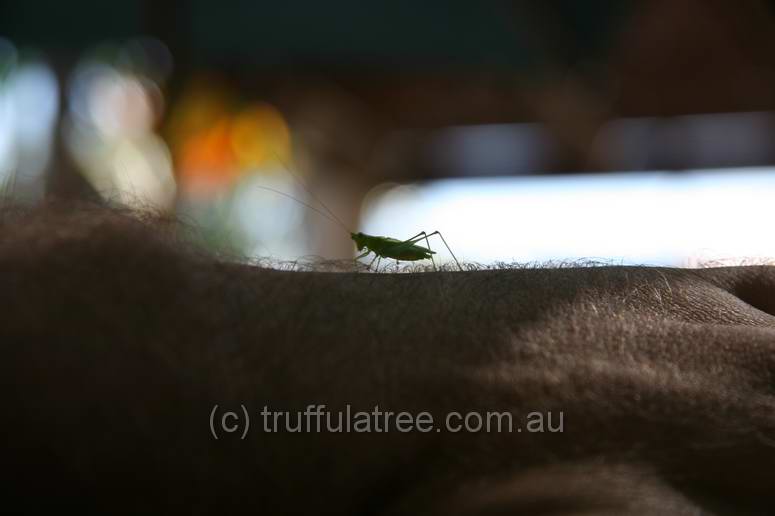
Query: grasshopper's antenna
<point x="325" y="215"/>
<point x="309" y="191"/>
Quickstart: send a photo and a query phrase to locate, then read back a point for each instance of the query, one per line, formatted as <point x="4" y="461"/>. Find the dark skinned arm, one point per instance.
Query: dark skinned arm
<point x="118" y="338"/>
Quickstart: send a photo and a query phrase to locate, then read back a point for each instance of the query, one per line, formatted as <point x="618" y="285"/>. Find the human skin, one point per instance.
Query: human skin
<point x="118" y="339"/>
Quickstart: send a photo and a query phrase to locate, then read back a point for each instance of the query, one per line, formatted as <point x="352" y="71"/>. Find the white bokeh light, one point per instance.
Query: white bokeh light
<point x="633" y="218"/>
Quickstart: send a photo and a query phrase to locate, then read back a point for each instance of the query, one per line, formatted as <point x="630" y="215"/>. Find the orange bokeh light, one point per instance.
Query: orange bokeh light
<point x="214" y="144"/>
<point x="206" y="159"/>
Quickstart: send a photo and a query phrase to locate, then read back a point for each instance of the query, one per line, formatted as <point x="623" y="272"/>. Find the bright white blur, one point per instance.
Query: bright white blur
<point x="655" y="218"/>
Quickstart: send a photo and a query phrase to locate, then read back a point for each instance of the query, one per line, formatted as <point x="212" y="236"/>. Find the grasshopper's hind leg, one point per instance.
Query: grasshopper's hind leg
<point x="447" y="246"/>
<point x="423" y="235"/>
<point x="427" y="243"/>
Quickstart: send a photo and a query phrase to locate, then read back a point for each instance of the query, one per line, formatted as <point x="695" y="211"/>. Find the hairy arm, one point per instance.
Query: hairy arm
<point x="118" y="340"/>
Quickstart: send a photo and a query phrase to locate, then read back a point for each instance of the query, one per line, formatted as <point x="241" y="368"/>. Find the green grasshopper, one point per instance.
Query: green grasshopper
<point x="383" y="247"/>
<point x="398" y="250"/>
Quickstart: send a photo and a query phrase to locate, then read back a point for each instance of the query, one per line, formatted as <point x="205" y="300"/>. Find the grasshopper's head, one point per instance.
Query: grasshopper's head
<point x="359" y="239"/>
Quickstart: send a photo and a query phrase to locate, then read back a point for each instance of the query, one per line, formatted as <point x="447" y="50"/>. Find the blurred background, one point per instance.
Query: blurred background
<point x="615" y="130"/>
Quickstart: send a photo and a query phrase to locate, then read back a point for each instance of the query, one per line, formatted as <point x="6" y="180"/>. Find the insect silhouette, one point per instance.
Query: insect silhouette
<point x="383" y="247"/>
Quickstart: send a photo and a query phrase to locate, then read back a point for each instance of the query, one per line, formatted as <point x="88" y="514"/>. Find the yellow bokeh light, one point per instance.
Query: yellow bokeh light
<point x="260" y="135"/>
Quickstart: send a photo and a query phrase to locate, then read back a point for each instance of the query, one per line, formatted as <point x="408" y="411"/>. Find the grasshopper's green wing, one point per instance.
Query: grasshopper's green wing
<point x="405" y="250"/>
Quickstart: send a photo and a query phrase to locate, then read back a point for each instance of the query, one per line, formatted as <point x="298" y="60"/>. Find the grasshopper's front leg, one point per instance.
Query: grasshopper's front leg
<point x="372" y="261"/>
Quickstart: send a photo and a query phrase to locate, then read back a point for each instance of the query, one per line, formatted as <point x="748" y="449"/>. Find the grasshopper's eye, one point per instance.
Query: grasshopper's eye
<point x="358" y="240"/>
